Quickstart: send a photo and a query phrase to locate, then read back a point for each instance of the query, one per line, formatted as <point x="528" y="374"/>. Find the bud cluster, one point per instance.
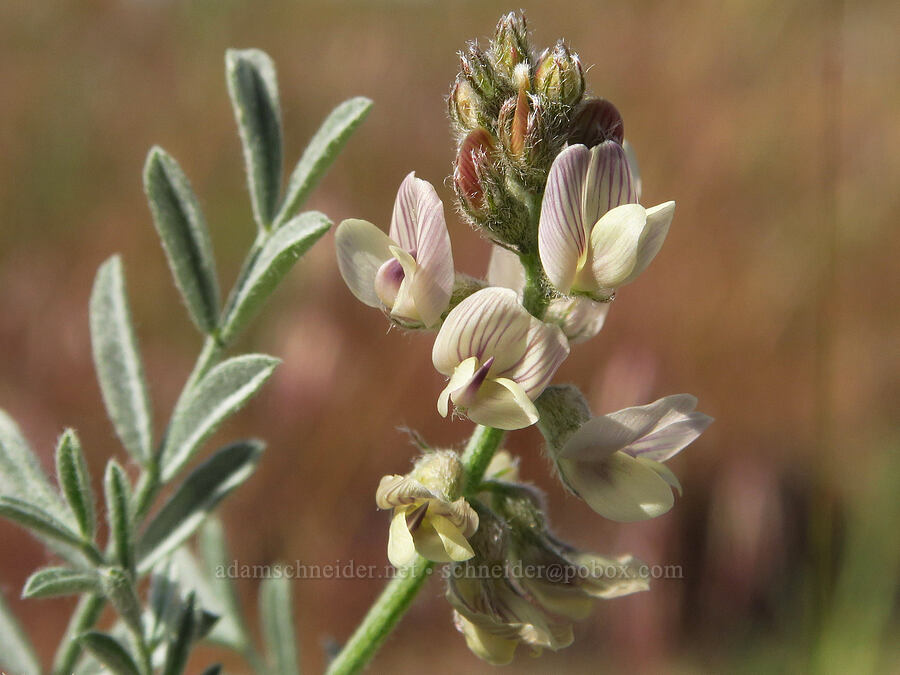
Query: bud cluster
<point x="512" y="111"/>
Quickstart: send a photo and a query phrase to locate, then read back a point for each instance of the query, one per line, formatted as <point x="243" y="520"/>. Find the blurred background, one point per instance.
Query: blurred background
<point x="775" y="300"/>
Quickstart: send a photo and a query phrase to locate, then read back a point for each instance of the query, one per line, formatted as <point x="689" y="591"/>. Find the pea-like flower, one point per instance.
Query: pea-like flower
<point x="425" y="522"/>
<point x="408" y="273"/>
<point x="615" y="462"/>
<point x="593" y="237"/>
<point x="499" y="359"/>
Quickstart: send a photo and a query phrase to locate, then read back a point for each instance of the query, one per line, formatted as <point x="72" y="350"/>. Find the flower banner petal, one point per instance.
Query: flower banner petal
<point x="608" y="183"/>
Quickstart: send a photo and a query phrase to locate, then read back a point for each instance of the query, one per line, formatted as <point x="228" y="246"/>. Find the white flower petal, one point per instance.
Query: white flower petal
<point x="666" y="441"/>
<point x="664" y="472"/>
<point x="361" y="249"/>
<point x="505" y="269"/>
<point x="405" y="216"/>
<point x="462" y="375"/>
<point x="608" y="183"/>
<point x="598" y="438"/>
<point x="503" y="404"/>
<point x="545" y="351"/>
<point x="614" y="248"/>
<point x="490" y="322"/>
<point x="635" y="169"/>
<point x="619" y="487"/>
<point x="562" y="234"/>
<point x="401" y="547"/>
<point x="495" y="650"/>
<point x="658" y="220"/>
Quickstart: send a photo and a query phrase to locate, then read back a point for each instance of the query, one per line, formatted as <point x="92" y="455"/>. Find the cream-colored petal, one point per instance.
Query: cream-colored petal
<point x="608" y="183"/>
<point x="455" y="544"/>
<point x="619" y="487"/>
<point x="394" y="490"/>
<point x="489" y="323"/>
<point x="659" y="218"/>
<point x="495" y="650"/>
<point x="361" y="249"/>
<point x="580" y="318"/>
<point x="505" y="269"/>
<point x="462" y="375"/>
<point x="614" y="248"/>
<point x="404" y="307"/>
<point x="635" y="169"/>
<point x="664" y="472"/>
<point x="503" y="404"/>
<point x="401" y="547"/>
<point x="567" y="601"/>
<point x="610" y="577"/>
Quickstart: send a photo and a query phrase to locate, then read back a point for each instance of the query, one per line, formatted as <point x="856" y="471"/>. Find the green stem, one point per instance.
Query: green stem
<point x="536" y="297"/>
<point x="398" y="595"/>
<point x="83" y="618"/>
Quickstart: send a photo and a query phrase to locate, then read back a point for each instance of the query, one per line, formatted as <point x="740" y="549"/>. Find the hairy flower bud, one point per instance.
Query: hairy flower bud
<point x="478" y="70"/>
<point x="471" y="162"/>
<point x="510" y="47"/>
<point x="596" y="120"/>
<point x="559" y="76"/>
<point x="465" y="105"/>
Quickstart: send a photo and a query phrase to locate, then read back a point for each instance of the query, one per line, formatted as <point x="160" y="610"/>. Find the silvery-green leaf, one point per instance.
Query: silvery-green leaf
<point x="118" y="587"/>
<point x="185" y="238"/>
<point x="52" y="581"/>
<point x="203" y="489"/>
<point x="179" y="647"/>
<point x="21" y="475"/>
<point x="16" y="653"/>
<point x="277" y="614"/>
<point x="220" y="393"/>
<point x="117" y="490"/>
<point x="118" y="364"/>
<point x="110" y="652"/>
<point x="323" y="148"/>
<point x="75" y="482"/>
<point x="86" y="614"/>
<point x="70" y="543"/>
<point x="253" y="88"/>
<point x="163" y="599"/>
<point x="276" y="258"/>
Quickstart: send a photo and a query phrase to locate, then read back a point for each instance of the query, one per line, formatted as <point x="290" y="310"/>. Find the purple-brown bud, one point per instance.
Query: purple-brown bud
<point x="595" y="121"/>
<point x="559" y="75"/>
<point x="473" y="158"/>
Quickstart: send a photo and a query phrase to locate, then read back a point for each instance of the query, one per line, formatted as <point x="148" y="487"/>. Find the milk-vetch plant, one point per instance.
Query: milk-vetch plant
<point x="186" y="601"/>
<point x="543" y="171"/>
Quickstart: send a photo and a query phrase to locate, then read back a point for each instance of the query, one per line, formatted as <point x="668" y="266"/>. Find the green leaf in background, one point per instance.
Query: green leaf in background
<point x="117" y="490"/>
<point x="162" y="600"/>
<point x="53" y="581"/>
<point x="75" y="482"/>
<point x="220" y="393"/>
<point x="117" y="362"/>
<point x="214" y="669"/>
<point x="322" y="150"/>
<point x="16" y="653"/>
<point x="39" y="521"/>
<point x="118" y="587"/>
<point x="21" y="475"/>
<point x="231" y="629"/>
<point x="253" y="88"/>
<point x="179" y="647"/>
<point x="185" y="238"/>
<point x="277" y="616"/>
<point x="278" y="255"/>
<point x="201" y="491"/>
<point x="110" y="652"/>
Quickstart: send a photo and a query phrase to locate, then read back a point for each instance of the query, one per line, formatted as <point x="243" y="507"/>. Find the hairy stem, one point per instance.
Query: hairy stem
<point x="83" y="618"/>
<point x="398" y="595"/>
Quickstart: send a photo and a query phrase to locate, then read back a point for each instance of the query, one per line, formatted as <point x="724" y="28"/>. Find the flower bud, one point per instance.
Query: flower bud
<point x="471" y="162"/>
<point x="559" y="76"/>
<point x="476" y="67"/>
<point x="521" y="130"/>
<point x="510" y="47"/>
<point x="465" y="105"/>
<point x="596" y="120"/>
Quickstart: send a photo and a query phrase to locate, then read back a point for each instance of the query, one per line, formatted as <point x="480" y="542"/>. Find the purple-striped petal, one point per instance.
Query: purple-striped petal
<point x="562" y="232"/>
<point x="635" y="169"/>
<point x="608" y="183"/>
<point x="490" y="322"/>
<point x="361" y="250"/>
<point x="545" y="350"/>
<point x="419" y="227"/>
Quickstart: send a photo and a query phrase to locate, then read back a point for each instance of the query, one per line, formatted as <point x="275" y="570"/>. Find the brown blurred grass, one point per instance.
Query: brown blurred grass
<point x="773" y="125"/>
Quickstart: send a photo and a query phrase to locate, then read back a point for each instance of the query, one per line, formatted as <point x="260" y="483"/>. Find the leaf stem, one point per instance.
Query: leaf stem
<point x="398" y="595"/>
<point x="83" y="618"/>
